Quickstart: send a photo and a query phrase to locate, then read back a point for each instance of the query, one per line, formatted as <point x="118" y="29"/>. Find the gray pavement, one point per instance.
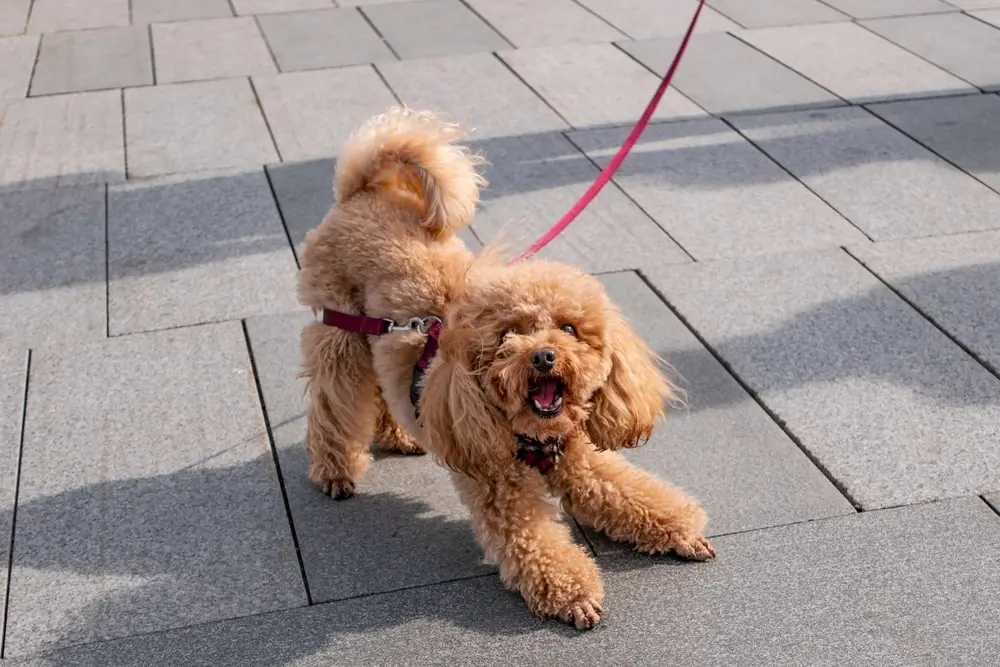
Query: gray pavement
<point x="809" y="233"/>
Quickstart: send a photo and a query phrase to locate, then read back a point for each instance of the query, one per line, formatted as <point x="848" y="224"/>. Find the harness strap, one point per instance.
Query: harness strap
<point x="362" y="324"/>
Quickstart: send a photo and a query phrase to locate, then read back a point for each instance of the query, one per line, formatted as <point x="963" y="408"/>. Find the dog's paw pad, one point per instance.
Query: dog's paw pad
<point x="582" y="614"/>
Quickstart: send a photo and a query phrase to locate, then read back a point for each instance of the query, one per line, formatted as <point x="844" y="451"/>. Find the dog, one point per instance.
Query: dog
<point x="525" y="384"/>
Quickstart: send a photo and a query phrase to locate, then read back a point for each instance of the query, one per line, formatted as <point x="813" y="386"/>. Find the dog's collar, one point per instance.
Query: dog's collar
<point x="538" y="454"/>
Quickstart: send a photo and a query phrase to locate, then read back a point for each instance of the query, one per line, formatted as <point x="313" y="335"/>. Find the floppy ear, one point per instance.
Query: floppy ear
<point x="627" y="406"/>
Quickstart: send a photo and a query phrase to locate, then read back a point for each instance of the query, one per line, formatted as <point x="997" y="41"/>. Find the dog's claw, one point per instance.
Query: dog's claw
<point x="693" y="548"/>
<point x="582" y="614"/>
<point x="338" y="489"/>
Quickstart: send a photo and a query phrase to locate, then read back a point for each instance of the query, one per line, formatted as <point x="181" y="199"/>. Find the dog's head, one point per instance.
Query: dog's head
<point x="537" y="349"/>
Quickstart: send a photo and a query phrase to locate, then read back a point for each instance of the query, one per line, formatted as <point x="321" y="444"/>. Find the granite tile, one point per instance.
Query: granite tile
<point x="752" y="14"/>
<point x="476" y="90"/>
<point x="870" y="9"/>
<point x="188" y="250"/>
<point x="273" y="6"/>
<point x="14" y="17"/>
<point x="527" y="23"/>
<point x="195" y="127"/>
<point x="886" y="184"/>
<point x="54" y="15"/>
<point x="595" y="84"/>
<point x="209" y="49"/>
<point x="717" y="195"/>
<point x="162" y="11"/>
<point x="52" y="266"/>
<point x="886" y="403"/>
<point x="18" y="56"/>
<point x="724" y="75"/>
<point x="80" y="60"/>
<point x="433" y="28"/>
<point x="323" y="38"/>
<point x="62" y="140"/>
<point x="867" y="68"/>
<point x="645" y="19"/>
<point x="148" y="498"/>
<point x="13" y="380"/>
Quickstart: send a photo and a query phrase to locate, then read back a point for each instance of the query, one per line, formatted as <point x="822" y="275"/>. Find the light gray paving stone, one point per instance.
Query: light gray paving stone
<point x="323" y="38"/>
<point x="528" y="23"/>
<point x="405" y="527"/>
<point x="209" y="49"/>
<point x="148" y="498"/>
<point x="433" y="28"/>
<point x="14" y="17"/>
<point x="975" y="4"/>
<point x="535" y="179"/>
<point x="476" y="90"/>
<point x="161" y="11"/>
<point x="867" y="68"/>
<point x="644" y="19"/>
<point x="971" y="50"/>
<point x="194" y="127"/>
<point x="184" y="251"/>
<point x="870" y="9"/>
<point x="18" y="56"/>
<point x="63" y="139"/>
<point x="960" y="129"/>
<point x="52" y="266"/>
<point x="886" y="184"/>
<point x="991" y="16"/>
<point x="954" y="279"/>
<point x="717" y="195"/>
<point x="53" y="15"/>
<point x="13" y="370"/>
<point x="896" y="412"/>
<point x="365" y="3"/>
<point x="753" y="14"/>
<point x="81" y="60"/>
<point x="724" y="75"/>
<point x="595" y="84"/>
<point x="860" y="590"/>
<point x="272" y="6"/>
<point x="994" y="500"/>
<point x="311" y="114"/>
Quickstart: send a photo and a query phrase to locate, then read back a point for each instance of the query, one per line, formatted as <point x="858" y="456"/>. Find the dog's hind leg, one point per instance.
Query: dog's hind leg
<point x="390" y="436"/>
<point x="343" y="407"/>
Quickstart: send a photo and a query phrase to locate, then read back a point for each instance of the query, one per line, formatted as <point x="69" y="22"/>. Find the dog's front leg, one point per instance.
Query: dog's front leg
<point x="520" y="531"/>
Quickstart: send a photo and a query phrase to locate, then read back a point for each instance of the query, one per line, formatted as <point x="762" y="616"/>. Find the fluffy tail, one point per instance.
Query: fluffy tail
<point x="410" y="157"/>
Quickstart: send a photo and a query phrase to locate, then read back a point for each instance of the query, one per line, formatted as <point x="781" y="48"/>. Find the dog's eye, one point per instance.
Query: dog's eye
<point x="569" y="328"/>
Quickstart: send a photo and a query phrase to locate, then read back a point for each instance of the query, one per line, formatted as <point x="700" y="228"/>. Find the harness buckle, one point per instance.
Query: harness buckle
<point x="418" y="324"/>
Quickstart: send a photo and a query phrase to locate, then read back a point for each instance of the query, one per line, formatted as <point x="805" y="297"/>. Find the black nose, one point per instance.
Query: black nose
<point x="544" y="359"/>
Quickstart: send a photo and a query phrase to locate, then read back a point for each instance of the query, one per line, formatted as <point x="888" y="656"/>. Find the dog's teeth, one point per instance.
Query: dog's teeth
<point x="538" y="405"/>
<point x="558" y="403"/>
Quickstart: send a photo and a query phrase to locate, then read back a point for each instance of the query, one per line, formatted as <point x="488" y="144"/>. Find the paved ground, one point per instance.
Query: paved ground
<point x="811" y="235"/>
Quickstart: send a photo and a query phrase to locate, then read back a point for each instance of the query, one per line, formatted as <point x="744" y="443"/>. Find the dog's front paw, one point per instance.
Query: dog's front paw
<point x="339" y="489"/>
<point x="583" y="614"/>
<point x="689" y="545"/>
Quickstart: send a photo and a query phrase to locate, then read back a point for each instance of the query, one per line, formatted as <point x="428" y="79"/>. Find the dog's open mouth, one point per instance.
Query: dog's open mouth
<point x="545" y="396"/>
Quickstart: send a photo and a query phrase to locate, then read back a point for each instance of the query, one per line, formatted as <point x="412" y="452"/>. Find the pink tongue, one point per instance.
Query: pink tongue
<point x="545" y="394"/>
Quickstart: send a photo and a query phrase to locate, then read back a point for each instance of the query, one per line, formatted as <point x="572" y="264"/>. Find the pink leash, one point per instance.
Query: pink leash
<point x="622" y="153"/>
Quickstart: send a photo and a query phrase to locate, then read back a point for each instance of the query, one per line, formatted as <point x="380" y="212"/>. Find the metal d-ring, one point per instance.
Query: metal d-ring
<point x="418" y="324"/>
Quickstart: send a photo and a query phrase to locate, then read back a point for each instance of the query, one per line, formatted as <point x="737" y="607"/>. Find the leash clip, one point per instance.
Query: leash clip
<point x="420" y="325"/>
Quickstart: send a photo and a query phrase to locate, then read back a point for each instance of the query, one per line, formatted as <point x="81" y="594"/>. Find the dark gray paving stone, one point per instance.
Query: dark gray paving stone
<point x="970" y="50"/>
<point x="894" y="410"/>
<point x="14" y="17"/>
<point x="535" y="179"/>
<point x="161" y="11"/>
<point x="52" y="266"/>
<point x="188" y="250"/>
<point x="754" y="14"/>
<point x="405" y="527"/>
<point x="528" y="23"/>
<point x="55" y="15"/>
<point x="433" y="28"/>
<point x="870" y="9"/>
<point x="322" y="38"/>
<point x="884" y="588"/>
<point x="724" y="75"/>
<point x="879" y="179"/>
<point x="210" y="49"/>
<point x="13" y="379"/>
<point x="867" y="68"/>
<point x="148" y="497"/>
<point x="80" y="60"/>
<point x="271" y="6"/>
<point x="960" y="129"/>
<point x="717" y="195"/>
<point x="646" y="19"/>
<point x="18" y="57"/>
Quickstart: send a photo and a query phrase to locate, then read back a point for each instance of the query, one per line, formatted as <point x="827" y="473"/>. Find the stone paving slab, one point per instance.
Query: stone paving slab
<point x="53" y="15"/>
<point x="528" y="23"/>
<point x="867" y="68"/>
<point x="894" y="410"/>
<point x="62" y="140"/>
<point x="476" y="90"/>
<point x="14" y="17"/>
<point x="433" y="28"/>
<point x="960" y="129"/>
<point x="311" y="114"/>
<point x="971" y="51"/>
<point x="209" y="49"/>
<point x="405" y="526"/>
<point x="646" y="19"/>
<point x="195" y="127"/>
<point x="322" y="38"/>
<point x="18" y="55"/>
<point x="717" y="195"/>
<point x="535" y="179"/>
<point x="870" y="9"/>
<point x="148" y="498"/>
<point x="753" y="14"/>
<point x="102" y="58"/>
<point x="991" y="16"/>
<point x="13" y="379"/>
<point x="724" y="75"/>
<point x="883" y="182"/>
<point x="161" y="11"/>
<point x="975" y="4"/>
<point x="273" y="6"/>
<point x="955" y="280"/>
<point x="868" y="589"/>
<point x="188" y="250"/>
<point x="595" y="84"/>
<point x="52" y="266"/>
